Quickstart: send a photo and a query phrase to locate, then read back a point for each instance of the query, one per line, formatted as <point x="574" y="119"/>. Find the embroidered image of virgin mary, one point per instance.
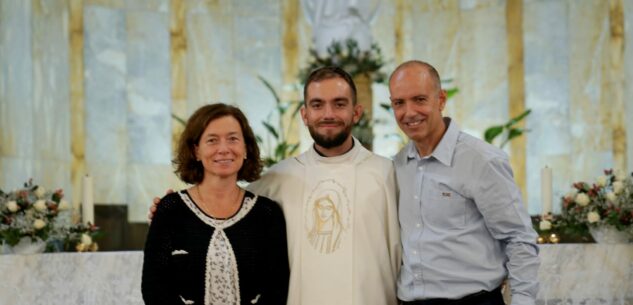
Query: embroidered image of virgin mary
<point x="325" y="234"/>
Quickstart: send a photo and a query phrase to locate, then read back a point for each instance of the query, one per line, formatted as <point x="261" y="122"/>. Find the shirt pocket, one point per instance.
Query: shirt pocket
<point x="443" y="207"/>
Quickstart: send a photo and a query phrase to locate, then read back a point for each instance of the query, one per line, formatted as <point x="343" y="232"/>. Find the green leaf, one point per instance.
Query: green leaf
<point x="292" y="149"/>
<point x="270" y="88"/>
<point x="514" y="132"/>
<point x="271" y="129"/>
<point x="297" y="108"/>
<point x="518" y="118"/>
<point x="451" y="92"/>
<point x="179" y="119"/>
<point x="385" y="106"/>
<point x="280" y="150"/>
<point x="491" y="133"/>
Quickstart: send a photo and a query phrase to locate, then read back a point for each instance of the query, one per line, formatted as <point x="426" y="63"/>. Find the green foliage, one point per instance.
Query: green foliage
<point x="507" y="131"/>
<point x="282" y="147"/>
<point x="350" y="58"/>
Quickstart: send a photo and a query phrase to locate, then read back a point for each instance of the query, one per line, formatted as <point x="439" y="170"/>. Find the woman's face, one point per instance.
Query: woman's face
<point x="221" y="148"/>
<point x="325" y="209"/>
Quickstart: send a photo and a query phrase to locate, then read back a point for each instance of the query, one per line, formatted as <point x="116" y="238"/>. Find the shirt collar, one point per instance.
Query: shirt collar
<point x="445" y="149"/>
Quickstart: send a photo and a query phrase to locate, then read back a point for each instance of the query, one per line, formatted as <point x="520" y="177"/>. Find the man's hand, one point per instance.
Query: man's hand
<point x="156" y="201"/>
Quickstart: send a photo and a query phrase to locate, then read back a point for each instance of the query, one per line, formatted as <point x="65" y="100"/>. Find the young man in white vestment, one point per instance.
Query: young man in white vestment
<point x="339" y="201"/>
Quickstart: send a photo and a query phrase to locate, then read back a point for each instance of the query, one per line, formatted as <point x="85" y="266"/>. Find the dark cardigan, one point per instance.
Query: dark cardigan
<point x="258" y="241"/>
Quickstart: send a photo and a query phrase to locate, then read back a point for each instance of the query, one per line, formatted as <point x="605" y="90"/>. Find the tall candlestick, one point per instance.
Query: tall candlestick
<point x="546" y="190"/>
<point x="87" y="202"/>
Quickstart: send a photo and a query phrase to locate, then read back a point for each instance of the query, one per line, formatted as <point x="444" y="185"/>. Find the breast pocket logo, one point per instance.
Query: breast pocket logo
<point x="327" y="216"/>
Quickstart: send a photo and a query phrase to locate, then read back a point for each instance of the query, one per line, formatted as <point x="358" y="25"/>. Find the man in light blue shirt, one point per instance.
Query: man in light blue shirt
<point x="463" y="226"/>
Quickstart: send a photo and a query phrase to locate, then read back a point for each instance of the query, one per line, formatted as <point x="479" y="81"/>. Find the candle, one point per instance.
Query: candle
<point x="546" y="190"/>
<point x="87" y="204"/>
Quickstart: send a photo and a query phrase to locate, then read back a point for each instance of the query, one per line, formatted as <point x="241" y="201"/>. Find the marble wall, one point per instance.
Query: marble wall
<point x="144" y="60"/>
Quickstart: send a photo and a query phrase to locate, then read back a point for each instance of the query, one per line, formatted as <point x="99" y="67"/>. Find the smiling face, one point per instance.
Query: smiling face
<point x="221" y="148"/>
<point x="417" y="101"/>
<point x="329" y="112"/>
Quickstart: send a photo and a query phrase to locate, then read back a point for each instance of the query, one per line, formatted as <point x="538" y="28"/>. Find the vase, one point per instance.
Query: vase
<point x="609" y="235"/>
<point x="27" y="246"/>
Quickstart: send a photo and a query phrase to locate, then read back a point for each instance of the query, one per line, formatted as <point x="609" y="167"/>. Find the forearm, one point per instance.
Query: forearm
<point x="523" y="264"/>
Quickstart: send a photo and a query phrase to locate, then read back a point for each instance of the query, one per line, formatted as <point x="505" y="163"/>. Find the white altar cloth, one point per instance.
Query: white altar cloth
<point x="570" y="274"/>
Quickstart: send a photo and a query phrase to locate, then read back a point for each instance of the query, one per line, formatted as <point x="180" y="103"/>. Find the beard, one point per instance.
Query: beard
<point x="334" y="140"/>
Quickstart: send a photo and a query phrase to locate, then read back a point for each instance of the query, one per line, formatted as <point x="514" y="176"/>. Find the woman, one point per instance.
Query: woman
<point x="215" y="243"/>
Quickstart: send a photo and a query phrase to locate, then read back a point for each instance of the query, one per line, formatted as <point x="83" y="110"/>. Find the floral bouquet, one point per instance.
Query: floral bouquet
<point x="606" y="202"/>
<point x="30" y="212"/>
<point x="81" y="238"/>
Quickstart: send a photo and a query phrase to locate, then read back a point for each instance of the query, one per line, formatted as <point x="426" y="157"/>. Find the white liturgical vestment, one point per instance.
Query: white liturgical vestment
<point x="343" y="234"/>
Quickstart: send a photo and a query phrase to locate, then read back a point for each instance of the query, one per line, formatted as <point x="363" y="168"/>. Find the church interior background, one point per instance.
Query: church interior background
<point x="95" y="87"/>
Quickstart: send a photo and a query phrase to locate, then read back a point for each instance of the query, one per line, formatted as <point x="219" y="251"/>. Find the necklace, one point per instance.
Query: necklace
<point x="209" y="206"/>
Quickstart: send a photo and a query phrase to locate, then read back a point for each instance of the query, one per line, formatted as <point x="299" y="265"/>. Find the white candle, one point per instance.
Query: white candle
<point x="546" y="190"/>
<point x="87" y="203"/>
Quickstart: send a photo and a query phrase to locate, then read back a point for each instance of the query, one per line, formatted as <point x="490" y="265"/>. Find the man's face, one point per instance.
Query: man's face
<point x="329" y="112"/>
<point x="417" y="102"/>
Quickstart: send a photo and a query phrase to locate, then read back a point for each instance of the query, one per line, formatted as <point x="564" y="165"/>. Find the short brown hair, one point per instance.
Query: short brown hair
<point x="189" y="169"/>
<point x="329" y="72"/>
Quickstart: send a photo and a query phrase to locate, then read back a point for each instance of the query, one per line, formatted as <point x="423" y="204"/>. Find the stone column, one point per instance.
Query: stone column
<point x="77" y="109"/>
<point x="178" y="45"/>
<point x="516" y="88"/>
<point x="615" y="83"/>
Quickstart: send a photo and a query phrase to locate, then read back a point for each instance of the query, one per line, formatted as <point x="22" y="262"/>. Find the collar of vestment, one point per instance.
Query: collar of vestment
<point x="354" y="155"/>
<point x="444" y="150"/>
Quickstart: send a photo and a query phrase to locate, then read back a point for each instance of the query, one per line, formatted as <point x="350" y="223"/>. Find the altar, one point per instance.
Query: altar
<point x="570" y="274"/>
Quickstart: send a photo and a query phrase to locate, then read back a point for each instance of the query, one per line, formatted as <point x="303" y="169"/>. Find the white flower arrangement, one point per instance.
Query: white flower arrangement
<point x="608" y="201"/>
<point x="31" y="212"/>
<point x="35" y="213"/>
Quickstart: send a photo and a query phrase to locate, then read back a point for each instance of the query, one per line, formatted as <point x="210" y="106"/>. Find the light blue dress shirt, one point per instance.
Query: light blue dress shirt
<point x="463" y="225"/>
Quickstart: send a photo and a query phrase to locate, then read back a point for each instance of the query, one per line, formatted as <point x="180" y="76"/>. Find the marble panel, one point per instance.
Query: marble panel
<point x="110" y="182"/>
<point x="436" y="37"/>
<point x="161" y="6"/>
<point x="388" y="139"/>
<point x="146" y="182"/>
<point x="210" y="62"/>
<point x="606" y="272"/>
<point x="546" y="62"/>
<point x="263" y="8"/>
<point x="383" y="29"/>
<point x="105" y="86"/>
<point x="483" y="68"/>
<point x="148" y="88"/>
<point x="113" y="4"/>
<point x="478" y="4"/>
<point x="223" y="7"/>
<point x="628" y="79"/>
<point x="15" y="171"/>
<point x="589" y="124"/>
<point x="53" y="174"/>
<point x="73" y="278"/>
<point x="51" y="88"/>
<point x="16" y="74"/>
<point x="261" y="58"/>
<point x="571" y="274"/>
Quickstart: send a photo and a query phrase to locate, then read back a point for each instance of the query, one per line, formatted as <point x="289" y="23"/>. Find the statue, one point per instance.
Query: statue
<point x="340" y="20"/>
